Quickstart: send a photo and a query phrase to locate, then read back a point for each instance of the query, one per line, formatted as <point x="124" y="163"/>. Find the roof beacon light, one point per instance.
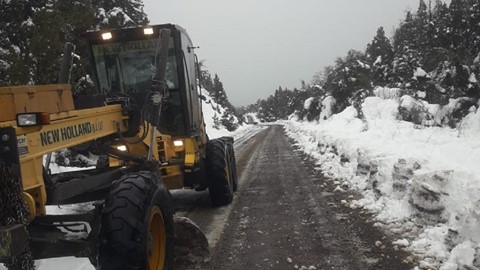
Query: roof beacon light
<point x="107" y="36"/>
<point x="148" y="31"/>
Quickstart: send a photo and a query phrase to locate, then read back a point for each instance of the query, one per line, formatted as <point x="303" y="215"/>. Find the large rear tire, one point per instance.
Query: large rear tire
<point x="137" y="225"/>
<point x="219" y="172"/>
<point x="233" y="163"/>
<point x="233" y="166"/>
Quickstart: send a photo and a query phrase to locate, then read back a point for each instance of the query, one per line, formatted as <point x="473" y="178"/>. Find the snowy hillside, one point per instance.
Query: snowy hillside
<point x="212" y="113"/>
<point x="423" y="183"/>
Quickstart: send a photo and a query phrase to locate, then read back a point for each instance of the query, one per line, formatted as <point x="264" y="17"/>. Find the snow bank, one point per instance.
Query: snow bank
<point x="422" y="183"/>
<point x="308" y="103"/>
<point x="419" y="73"/>
<point x="327" y="107"/>
<point x="387" y="93"/>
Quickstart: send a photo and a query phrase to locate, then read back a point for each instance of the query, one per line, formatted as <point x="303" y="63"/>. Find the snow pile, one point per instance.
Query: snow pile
<point x="327" y="107"/>
<point x="419" y="73"/>
<point x="251" y="118"/>
<point x="308" y="103"/>
<point x="387" y="92"/>
<point x="421" y="183"/>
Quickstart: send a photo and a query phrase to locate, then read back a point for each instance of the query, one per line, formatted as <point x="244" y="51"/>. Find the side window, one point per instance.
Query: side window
<point x="192" y="95"/>
<point x="189" y="61"/>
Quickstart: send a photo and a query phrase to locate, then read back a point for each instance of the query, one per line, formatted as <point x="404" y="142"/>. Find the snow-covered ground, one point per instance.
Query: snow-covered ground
<point x="421" y="183"/>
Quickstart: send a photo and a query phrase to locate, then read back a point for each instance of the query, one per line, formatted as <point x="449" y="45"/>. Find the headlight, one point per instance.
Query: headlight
<point x="32" y="119"/>
<point x="178" y="143"/>
<point x="26" y="120"/>
<point x="148" y="31"/>
<point x="107" y="36"/>
<point x="122" y="148"/>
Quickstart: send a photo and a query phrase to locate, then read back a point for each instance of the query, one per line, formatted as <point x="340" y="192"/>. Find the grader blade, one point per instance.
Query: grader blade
<point x="191" y="244"/>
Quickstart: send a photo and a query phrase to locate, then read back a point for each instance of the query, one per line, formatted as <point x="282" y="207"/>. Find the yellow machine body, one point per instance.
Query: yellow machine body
<point x="69" y="127"/>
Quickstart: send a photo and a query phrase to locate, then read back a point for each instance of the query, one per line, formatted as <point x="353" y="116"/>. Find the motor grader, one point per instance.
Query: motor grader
<point x="145" y="124"/>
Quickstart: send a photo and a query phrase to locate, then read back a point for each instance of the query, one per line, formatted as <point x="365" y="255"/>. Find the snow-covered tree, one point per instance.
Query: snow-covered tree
<point x="351" y="74"/>
<point x="406" y="55"/>
<point x="380" y="57"/>
<point x="33" y="33"/>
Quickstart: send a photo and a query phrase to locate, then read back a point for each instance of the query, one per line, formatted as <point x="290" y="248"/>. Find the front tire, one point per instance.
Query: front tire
<point x="232" y="161"/>
<point x="137" y="225"/>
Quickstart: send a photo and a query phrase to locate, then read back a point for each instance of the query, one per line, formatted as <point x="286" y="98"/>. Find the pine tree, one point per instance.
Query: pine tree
<point x="441" y="18"/>
<point x="350" y="75"/>
<point x="218" y="93"/>
<point x="406" y="56"/>
<point x="474" y="28"/>
<point x="424" y="37"/>
<point x="120" y="13"/>
<point x="380" y="57"/>
<point x="33" y="33"/>
<point x="438" y="48"/>
<point x="205" y="77"/>
<point x="459" y="32"/>
<point x="16" y="31"/>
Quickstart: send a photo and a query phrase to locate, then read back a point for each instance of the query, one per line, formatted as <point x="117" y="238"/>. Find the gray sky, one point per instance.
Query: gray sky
<point x="257" y="45"/>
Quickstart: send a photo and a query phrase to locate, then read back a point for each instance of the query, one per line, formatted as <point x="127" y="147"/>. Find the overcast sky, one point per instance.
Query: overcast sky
<point x="257" y="45"/>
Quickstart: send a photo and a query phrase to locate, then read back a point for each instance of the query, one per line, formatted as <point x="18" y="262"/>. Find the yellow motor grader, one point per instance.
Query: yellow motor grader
<point x="145" y="124"/>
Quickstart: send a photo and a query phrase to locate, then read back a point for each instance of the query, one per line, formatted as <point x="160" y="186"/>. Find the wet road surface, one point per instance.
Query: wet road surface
<point x="285" y="215"/>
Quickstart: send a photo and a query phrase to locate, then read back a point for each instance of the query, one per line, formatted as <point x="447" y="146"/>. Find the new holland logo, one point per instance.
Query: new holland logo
<point x="65" y="133"/>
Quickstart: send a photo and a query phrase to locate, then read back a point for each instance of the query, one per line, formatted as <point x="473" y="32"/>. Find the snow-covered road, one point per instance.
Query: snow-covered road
<point x="286" y="217"/>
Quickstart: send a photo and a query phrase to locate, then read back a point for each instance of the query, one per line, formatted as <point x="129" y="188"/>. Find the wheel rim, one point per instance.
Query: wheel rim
<point x="156" y="240"/>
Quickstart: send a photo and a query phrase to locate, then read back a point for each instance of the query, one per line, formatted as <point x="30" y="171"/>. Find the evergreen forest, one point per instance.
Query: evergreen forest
<point x="433" y="56"/>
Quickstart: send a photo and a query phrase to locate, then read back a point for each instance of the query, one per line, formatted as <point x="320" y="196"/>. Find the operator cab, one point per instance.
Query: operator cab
<point x="124" y="64"/>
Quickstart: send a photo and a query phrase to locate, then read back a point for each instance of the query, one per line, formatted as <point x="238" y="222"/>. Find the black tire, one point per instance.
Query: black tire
<point x="233" y="162"/>
<point x="136" y="204"/>
<point x="233" y="166"/>
<point x="218" y="173"/>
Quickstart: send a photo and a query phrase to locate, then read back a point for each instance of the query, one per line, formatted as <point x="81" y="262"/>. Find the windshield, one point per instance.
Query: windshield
<point x="128" y="67"/>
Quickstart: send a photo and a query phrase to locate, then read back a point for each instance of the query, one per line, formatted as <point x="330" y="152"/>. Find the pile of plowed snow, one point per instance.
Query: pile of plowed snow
<point x="420" y="182"/>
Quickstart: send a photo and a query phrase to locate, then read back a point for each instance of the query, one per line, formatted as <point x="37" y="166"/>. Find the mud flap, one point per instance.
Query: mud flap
<point x="191" y="244"/>
<point x="13" y="241"/>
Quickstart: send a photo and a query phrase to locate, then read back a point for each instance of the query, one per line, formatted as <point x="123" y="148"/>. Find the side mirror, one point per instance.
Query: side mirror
<point x="202" y="97"/>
